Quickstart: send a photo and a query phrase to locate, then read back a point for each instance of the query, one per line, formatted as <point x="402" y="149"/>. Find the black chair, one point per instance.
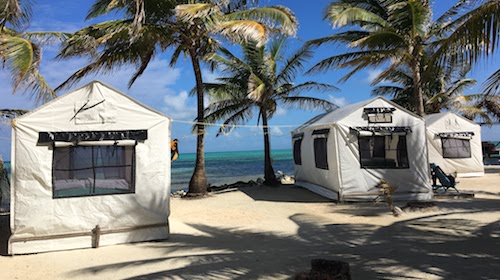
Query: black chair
<point x="447" y="181"/>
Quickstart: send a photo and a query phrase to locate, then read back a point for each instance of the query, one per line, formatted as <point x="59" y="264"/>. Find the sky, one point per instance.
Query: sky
<point x="166" y="88"/>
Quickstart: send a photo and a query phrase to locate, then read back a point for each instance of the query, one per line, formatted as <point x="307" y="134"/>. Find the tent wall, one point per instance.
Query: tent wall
<point x="452" y="123"/>
<point x="346" y="176"/>
<point x="320" y="181"/>
<point x="40" y="222"/>
<point x="411" y="183"/>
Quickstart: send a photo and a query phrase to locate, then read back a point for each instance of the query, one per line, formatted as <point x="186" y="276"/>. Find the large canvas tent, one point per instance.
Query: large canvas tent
<point x="454" y="144"/>
<point x="90" y="167"/>
<point x="345" y="153"/>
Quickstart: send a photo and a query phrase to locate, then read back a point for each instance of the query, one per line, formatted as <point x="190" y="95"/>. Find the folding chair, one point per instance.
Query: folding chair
<point x="447" y="181"/>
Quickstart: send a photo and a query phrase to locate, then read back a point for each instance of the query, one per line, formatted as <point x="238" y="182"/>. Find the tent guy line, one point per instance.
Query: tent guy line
<point x="241" y="125"/>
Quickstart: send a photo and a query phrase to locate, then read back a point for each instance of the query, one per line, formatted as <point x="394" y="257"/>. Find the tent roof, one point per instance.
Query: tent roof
<point x="433" y="118"/>
<point x="343" y="112"/>
<point x="97" y="84"/>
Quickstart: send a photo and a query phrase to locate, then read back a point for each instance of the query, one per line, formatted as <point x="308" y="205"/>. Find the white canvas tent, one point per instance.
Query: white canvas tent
<point x="454" y="144"/>
<point x="345" y="153"/>
<point x="92" y="157"/>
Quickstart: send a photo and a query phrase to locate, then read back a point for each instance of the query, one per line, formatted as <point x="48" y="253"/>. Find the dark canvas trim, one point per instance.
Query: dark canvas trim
<point x="321" y="131"/>
<point x="379" y="110"/>
<point x="455" y="134"/>
<point x="298" y="135"/>
<point x="80" y="136"/>
<point x="382" y="129"/>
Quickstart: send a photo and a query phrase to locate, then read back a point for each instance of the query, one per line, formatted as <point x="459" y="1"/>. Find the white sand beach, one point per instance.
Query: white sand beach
<point x="273" y="233"/>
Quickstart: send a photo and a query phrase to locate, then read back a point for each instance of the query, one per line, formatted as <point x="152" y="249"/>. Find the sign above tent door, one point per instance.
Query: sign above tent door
<point x="94" y="110"/>
<point x="378" y="114"/>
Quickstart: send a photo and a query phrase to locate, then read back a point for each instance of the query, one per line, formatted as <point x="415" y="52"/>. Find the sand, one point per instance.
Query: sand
<point x="274" y="232"/>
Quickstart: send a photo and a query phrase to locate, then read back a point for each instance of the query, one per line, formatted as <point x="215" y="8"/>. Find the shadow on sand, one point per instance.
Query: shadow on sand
<point x="433" y="246"/>
<point x="286" y="193"/>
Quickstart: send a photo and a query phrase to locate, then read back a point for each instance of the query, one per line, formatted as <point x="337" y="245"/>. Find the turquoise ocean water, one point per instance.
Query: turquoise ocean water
<point x="227" y="167"/>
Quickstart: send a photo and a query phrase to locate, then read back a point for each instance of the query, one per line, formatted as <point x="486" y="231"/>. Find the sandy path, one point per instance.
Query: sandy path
<point x="273" y="233"/>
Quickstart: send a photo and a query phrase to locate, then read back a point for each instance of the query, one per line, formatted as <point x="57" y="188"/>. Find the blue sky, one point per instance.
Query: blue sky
<point x="166" y="89"/>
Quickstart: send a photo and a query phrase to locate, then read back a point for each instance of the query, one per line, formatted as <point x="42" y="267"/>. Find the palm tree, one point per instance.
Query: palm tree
<point x="440" y="91"/>
<point x="262" y="79"/>
<point x="396" y="33"/>
<point x="439" y="87"/>
<point x="21" y="52"/>
<point x="150" y="27"/>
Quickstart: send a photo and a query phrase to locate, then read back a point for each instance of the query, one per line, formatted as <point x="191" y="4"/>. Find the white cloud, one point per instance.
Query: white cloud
<point x="372" y="74"/>
<point x="177" y="106"/>
<point x="255" y="130"/>
<point x="276" y="131"/>
<point x="209" y="76"/>
<point x="155" y="80"/>
<point x="281" y="111"/>
<point x="339" y="101"/>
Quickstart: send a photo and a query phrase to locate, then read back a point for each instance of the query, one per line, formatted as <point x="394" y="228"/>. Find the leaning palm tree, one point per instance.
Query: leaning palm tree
<point x="260" y="82"/>
<point x="188" y="27"/>
<point x="443" y="89"/>
<point x="21" y="52"/>
<point x="439" y="87"/>
<point x="394" y="33"/>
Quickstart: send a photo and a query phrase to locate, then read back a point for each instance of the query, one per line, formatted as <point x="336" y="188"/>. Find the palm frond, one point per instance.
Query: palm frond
<point x="411" y="17"/>
<point x="492" y="84"/>
<point x="19" y="54"/>
<point x="144" y="62"/>
<point x="188" y="12"/>
<point x="37" y="87"/>
<point x="346" y="37"/>
<point x="242" y="31"/>
<point x="344" y="14"/>
<point x="394" y="74"/>
<point x="478" y="35"/>
<point x="273" y="16"/>
<point x="381" y="40"/>
<point x="15" y="14"/>
<point x="387" y="90"/>
<point x="309" y="103"/>
<point x="294" y="64"/>
<point x="347" y="59"/>
<point x="101" y="7"/>
<point x="445" y="22"/>
<point x="307" y="86"/>
<point x="43" y="38"/>
<point x="256" y="88"/>
<point x="457" y="87"/>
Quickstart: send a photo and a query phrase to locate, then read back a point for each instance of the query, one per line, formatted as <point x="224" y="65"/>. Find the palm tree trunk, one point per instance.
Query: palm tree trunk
<point x="198" y="182"/>
<point x="417" y="87"/>
<point x="269" y="177"/>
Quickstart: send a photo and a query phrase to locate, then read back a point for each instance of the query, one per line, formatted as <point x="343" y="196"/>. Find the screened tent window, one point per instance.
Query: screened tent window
<point x="388" y="151"/>
<point x="320" y="149"/>
<point x="93" y="170"/>
<point x="297" y="146"/>
<point x="456" y="148"/>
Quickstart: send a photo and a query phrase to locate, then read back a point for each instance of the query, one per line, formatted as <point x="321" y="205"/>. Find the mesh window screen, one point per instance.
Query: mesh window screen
<point x="456" y="148"/>
<point x="297" y="157"/>
<point x="382" y="152"/>
<point x="93" y="170"/>
<point x="320" y="156"/>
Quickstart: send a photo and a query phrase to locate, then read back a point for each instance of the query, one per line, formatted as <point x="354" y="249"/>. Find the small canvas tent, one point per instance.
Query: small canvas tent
<point x="454" y="144"/>
<point x="345" y="153"/>
<point x="90" y="167"/>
